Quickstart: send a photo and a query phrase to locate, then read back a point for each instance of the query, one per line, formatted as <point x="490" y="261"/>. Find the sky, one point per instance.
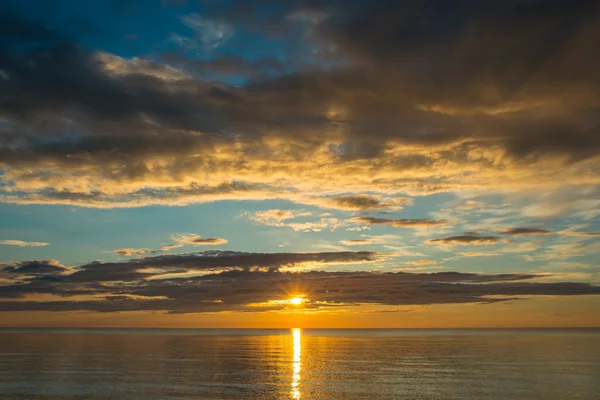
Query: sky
<point x="299" y="163"/>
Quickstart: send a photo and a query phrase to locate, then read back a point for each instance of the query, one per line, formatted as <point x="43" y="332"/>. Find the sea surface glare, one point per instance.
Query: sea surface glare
<point x="129" y="364"/>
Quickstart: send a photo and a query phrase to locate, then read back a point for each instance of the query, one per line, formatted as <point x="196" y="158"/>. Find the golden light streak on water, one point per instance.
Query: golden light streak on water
<point x="297" y="363"/>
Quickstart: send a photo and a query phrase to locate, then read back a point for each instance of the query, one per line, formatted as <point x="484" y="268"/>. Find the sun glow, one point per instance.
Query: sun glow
<point x="293" y="302"/>
<point x="297" y="300"/>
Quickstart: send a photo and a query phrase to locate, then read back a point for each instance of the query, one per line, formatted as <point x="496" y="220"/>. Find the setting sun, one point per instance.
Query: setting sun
<point x="297" y="300"/>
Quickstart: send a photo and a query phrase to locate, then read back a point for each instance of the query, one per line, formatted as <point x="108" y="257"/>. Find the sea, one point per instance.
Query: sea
<point x="370" y="364"/>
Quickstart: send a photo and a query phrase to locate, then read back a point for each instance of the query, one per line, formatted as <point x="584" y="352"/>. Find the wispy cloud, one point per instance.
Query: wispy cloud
<point x="210" y="33"/>
<point x="21" y="243"/>
<point x="132" y="252"/>
<point x="196" y="240"/>
<point x="579" y="234"/>
<point x="419" y="263"/>
<point x="360" y="202"/>
<point x="477" y="254"/>
<point x="465" y="240"/>
<point x="401" y="223"/>
<point x="359" y="242"/>
<point x="526" y="231"/>
<point x="281" y="218"/>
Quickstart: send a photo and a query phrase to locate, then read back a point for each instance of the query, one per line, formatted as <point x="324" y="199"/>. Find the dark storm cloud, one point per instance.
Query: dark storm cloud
<point x="526" y="231"/>
<point x="401" y="223"/>
<point x="239" y="290"/>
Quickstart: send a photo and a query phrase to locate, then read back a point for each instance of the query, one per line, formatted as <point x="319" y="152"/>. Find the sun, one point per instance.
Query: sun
<point x="297" y="301"/>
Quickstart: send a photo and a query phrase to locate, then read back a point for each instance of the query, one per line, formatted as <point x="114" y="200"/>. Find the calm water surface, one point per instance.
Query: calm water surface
<point x="299" y="364"/>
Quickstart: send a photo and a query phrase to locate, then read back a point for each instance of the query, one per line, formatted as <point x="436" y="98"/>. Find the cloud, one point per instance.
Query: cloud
<point x="579" y="234"/>
<point x="368" y="114"/>
<point x="196" y="240"/>
<point x="375" y="239"/>
<point x="21" y="243"/>
<point x="419" y="263"/>
<point x="210" y="32"/>
<point x="359" y="242"/>
<point x="280" y="218"/>
<point x="131" y="252"/>
<point x="360" y="202"/>
<point x="116" y="67"/>
<point x="211" y="260"/>
<point x="248" y="290"/>
<point x="401" y="223"/>
<point x="180" y="241"/>
<point x="171" y="246"/>
<point x="43" y="267"/>
<point x="526" y="231"/>
<point x="477" y="254"/>
<point x="276" y="216"/>
<point x="465" y="240"/>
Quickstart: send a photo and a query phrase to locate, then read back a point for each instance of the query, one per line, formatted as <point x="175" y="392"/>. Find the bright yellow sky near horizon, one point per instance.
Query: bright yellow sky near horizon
<point x="533" y="311"/>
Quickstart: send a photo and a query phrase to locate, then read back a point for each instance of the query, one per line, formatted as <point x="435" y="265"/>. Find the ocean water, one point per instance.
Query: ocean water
<point x="299" y="364"/>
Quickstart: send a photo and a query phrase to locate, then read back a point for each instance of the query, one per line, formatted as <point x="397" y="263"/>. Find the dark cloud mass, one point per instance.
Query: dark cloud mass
<point x="43" y="267"/>
<point x="244" y="289"/>
<point x="394" y="97"/>
<point x="207" y="261"/>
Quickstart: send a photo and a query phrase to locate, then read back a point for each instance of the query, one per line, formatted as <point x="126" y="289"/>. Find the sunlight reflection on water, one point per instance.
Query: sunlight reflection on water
<point x="297" y="365"/>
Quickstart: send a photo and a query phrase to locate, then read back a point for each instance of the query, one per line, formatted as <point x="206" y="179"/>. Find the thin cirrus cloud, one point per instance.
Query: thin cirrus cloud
<point x="360" y="202"/>
<point x="538" y="231"/>
<point x="132" y="252"/>
<point x="420" y="263"/>
<point x="526" y="231"/>
<point x="464" y="240"/>
<point x="21" y="243"/>
<point x="283" y="218"/>
<point x="401" y="223"/>
<point x="179" y="241"/>
<point x="211" y="32"/>
<point x="579" y="234"/>
<point x="360" y="242"/>
<point x="277" y="216"/>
